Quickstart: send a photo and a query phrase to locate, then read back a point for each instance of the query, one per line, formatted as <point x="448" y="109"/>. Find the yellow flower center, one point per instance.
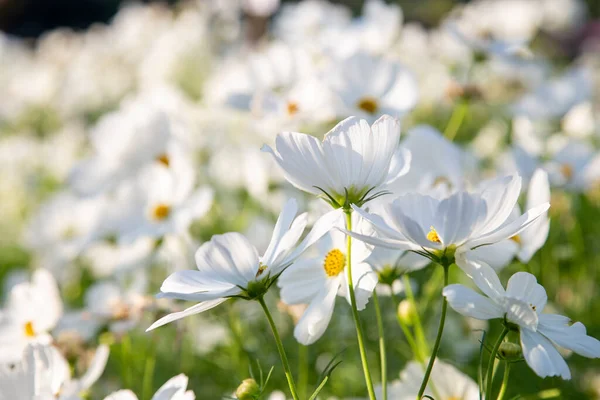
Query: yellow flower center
<point x="433" y="236"/>
<point x="161" y="212"/>
<point x="516" y="239"/>
<point x="261" y="268"/>
<point x="28" y="328"/>
<point x="334" y="262"/>
<point x="164" y="160"/>
<point x="567" y="171"/>
<point x="292" y="108"/>
<point x="368" y="104"/>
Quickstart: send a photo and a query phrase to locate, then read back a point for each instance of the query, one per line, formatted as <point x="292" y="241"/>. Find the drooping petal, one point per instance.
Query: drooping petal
<point x="483" y="276"/>
<point x="195" y="309"/>
<point x="470" y="303"/>
<point x="542" y="357"/>
<point x="573" y="337"/>
<point x="315" y="319"/>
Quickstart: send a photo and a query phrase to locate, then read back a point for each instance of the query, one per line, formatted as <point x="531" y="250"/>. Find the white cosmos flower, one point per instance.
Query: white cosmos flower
<point x="352" y="162"/>
<point x="32" y="311"/>
<point x="370" y="86"/>
<point x="318" y="279"/>
<point x="575" y="166"/>
<point x="229" y="265"/>
<point x="44" y="374"/>
<point x="454" y="225"/>
<point x="173" y="389"/>
<point x="446" y="383"/>
<point x="522" y="304"/>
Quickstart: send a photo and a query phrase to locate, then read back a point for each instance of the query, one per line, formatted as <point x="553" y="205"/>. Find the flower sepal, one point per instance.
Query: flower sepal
<point x="351" y="196"/>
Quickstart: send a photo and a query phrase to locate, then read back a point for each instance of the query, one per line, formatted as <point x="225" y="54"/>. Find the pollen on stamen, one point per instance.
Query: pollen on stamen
<point x="368" y="104"/>
<point x="161" y="212"/>
<point x="534" y="308"/>
<point x="164" y="159"/>
<point x="292" y="108"/>
<point x="334" y="262"/>
<point x="567" y="171"/>
<point x="261" y="268"/>
<point x="433" y="236"/>
<point x="28" y="328"/>
<point x="516" y="239"/>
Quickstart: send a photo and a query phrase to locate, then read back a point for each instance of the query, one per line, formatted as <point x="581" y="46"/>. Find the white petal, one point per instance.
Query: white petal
<point x="483" y="275"/>
<point x="229" y="257"/>
<point x="379" y="224"/>
<point x="172" y="389"/>
<point x="95" y="369"/>
<point x="387" y="243"/>
<point x="542" y="357"/>
<point x="195" y="286"/>
<point x="471" y="304"/>
<point x="284" y="221"/>
<point x="510" y="229"/>
<point x="524" y="286"/>
<point x="500" y="196"/>
<point x="323" y="225"/>
<point x="365" y="281"/>
<point x="195" y="309"/>
<point x="534" y="236"/>
<point x="316" y="318"/>
<point x="573" y="337"/>
<point x="122" y="395"/>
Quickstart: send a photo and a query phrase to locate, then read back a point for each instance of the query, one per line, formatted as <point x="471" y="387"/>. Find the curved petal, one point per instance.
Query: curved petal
<point x="323" y="225"/>
<point x="471" y="304"/>
<point x="535" y="235"/>
<point x="284" y="221"/>
<point x="382" y="242"/>
<point x="483" y="276"/>
<point x="195" y="309"/>
<point x="573" y="337"/>
<point x="500" y="196"/>
<point x="315" y="319"/>
<point x="542" y="357"/>
<point x="524" y="286"/>
<point x="229" y="257"/>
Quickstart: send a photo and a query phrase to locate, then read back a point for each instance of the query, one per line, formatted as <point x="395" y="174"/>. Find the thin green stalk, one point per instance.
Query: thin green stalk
<point x="357" y="324"/>
<point x="438" y="339"/>
<point x="456" y="120"/>
<point x="406" y="330"/>
<point x="490" y="371"/>
<point x="302" y="370"/>
<point x="125" y="359"/>
<point x="504" y="381"/>
<point x="148" y="375"/>
<point x="419" y="333"/>
<point x="382" y="353"/>
<point x="284" y="360"/>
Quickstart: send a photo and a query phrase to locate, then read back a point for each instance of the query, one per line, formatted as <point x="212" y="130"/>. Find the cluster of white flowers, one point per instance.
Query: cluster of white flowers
<point x="133" y="151"/>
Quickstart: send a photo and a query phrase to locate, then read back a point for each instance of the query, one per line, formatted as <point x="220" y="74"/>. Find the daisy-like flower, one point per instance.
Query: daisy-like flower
<point x="174" y="389"/>
<point x="44" y="374"/>
<point x="521" y="306"/>
<point x="230" y="266"/>
<point x="371" y="86"/>
<point x="349" y="165"/>
<point x="317" y="280"/>
<point x="447" y="383"/>
<point x="443" y="229"/>
<point x="33" y="310"/>
<point x="575" y="166"/>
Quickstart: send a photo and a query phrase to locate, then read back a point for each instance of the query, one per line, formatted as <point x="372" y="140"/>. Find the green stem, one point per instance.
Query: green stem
<point x="456" y="120"/>
<point x="382" y="353"/>
<point x="419" y="333"/>
<point x="438" y="339"/>
<point x="284" y="360"/>
<point x="302" y="370"/>
<point x="357" y="324"/>
<point x="490" y="371"/>
<point x="504" y="381"/>
<point x="405" y="329"/>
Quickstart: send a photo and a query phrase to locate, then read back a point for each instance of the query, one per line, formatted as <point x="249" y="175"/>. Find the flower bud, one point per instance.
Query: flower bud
<point x="248" y="390"/>
<point x="406" y="312"/>
<point x="510" y="351"/>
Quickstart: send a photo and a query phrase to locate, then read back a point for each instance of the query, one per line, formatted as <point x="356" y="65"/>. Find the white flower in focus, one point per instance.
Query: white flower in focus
<point x="446" y="383"/>
<point x="522" y="304"/>
<point x="173" y="389"/>
<point x="370" y="86"/>
<point x="451" y="226"/>
<point x="318" y="279"/>
<point x="349" y="165"/>
<point x="228" y="265"/>
<point x="43" y="374"/>
<point x="33" y="309"/>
